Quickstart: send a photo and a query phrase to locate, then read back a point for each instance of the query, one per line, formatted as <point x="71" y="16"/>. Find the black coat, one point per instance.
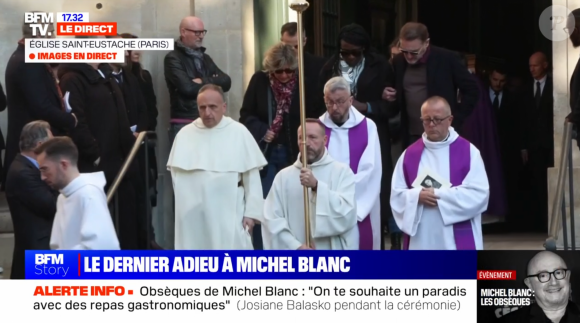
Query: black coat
<point x="254" y="111"/>
<point x="32" y="95"/>
<point x="535" y="314"/>
<point x="180" y="71"/>
<point x="537" y="123"/>
<point x="134" y="100"/>
<point x="32" y="206"/>
<point x="103" y="130"/>
<point x="2" y="108"/>
<point x="146" y="84"/>
<point x="574" y="116"/>
<point x="445" y="75"/>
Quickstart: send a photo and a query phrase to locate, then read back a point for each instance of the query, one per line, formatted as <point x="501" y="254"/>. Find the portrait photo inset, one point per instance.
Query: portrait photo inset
<point x="429" y="182"/>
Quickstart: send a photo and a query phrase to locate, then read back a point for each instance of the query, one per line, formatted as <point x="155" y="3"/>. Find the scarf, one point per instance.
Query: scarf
<point x="197" y="55"/>
<point x="283" y="95"/>
<point x="351" y="74"/>
<point x="50" y="71"/>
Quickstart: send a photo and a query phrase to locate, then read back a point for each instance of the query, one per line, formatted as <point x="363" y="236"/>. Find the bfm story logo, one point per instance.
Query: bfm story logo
<point x="50" y="265"/>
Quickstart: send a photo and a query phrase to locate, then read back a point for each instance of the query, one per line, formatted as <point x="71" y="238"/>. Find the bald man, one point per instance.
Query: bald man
<point x="449" y="217"/>
<point x="331" y="187"/>
<point x="549" y="277"/>
<point x="187" y="69"/>
<point x="537" y="141"/>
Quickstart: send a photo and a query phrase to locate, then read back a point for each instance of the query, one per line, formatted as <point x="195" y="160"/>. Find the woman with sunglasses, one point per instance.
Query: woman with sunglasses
<point x="368" y="73"/>
<point x="271" y="111"/>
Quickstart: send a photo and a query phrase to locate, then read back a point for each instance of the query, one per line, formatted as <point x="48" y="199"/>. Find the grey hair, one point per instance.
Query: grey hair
<point x="280" y="56"/>
<point x="336" y="83"/>
<point x="212" y="87"/>
<point x="33" y="133"/>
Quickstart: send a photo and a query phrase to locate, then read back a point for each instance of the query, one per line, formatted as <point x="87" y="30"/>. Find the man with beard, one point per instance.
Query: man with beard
<point x="82" y="220"/>
<point x="353" y="140"/>
<point x="548" y="277"/>
<point x="333" y="215"/>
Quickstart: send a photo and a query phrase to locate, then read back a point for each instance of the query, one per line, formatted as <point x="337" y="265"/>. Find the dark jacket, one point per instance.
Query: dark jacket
<point x="2" y="108"/>
<point x="32" y="206"/>
<point x="376" y="75"/>
<point x="32" y="95"/>
<point x="180" y="71"/>
<point x="537" y="123"/>
<point x="146" y="83"/>
<point x="574" y="116"/>
<point x="535" y="314"/>
<point x="445" y="75"/>
<point x="134" y="100"/>
<point x="254" y="112"/>
<point x="103" y="130"/>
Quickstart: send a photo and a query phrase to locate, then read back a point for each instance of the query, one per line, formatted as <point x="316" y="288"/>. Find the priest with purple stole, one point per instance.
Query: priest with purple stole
<point x="354" y="141"/>
<point x="440" y="187"/>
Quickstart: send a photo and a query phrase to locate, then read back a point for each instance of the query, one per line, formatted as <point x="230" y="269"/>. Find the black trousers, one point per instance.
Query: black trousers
<point x="535" y="183"/>
<point x="128" y="229"/>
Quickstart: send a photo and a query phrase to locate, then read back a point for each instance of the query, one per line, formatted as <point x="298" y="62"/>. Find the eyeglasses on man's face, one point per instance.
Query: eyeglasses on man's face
<point x="545" y="277"/>
<point x="435" y="121"/>
<point x="339" y="102"/>
<point x="197" y="32"/>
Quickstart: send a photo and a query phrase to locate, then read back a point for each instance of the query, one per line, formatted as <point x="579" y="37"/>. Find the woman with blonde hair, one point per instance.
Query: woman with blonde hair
<point x="271" y="111"/>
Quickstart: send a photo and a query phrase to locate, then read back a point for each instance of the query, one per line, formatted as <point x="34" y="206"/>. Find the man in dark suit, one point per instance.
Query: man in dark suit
<point x="423" y="71"/>
<point x="31" y="201"/>
<point x="505" y="111"/>
<point x="312" y="67"/>
<point x="32" y="94"/>
<point x="537" y="139"/>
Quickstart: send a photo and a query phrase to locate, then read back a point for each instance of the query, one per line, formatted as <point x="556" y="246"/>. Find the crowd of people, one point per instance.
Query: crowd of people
<point x="238" y="184"/>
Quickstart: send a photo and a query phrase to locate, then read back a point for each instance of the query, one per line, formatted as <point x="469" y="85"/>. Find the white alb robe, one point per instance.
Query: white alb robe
<point x="216" y="182"/>
<point x="333" y="221"/>
<point x="431" y="228"/>
<point x="82" y="220"/>
<point x="369" y="171"/>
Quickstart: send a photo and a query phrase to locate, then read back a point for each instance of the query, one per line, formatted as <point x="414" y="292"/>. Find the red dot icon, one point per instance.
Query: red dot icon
<point x="32" y="56"/>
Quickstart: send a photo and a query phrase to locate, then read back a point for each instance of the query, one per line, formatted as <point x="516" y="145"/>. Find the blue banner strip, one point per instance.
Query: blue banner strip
<point x="251" y="264"/>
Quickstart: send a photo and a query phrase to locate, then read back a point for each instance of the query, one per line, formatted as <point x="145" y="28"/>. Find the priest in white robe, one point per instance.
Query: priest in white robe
<point x="331" y="185"/>
<point x="354" y="141"/>
<point x="440" y="187"/>
<point x="82" y="220"/>
<point x="215" y="168"/>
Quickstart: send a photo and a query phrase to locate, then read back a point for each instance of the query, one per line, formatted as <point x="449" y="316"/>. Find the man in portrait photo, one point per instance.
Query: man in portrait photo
<point x="549" y="278"/>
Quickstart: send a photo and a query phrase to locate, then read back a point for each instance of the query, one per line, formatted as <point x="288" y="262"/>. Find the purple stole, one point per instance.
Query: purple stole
<point x="459" y="164"/>
<point x="358" y="139"/>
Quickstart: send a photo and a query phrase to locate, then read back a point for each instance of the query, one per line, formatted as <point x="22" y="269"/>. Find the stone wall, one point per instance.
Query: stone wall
<point x="565" y="57"/>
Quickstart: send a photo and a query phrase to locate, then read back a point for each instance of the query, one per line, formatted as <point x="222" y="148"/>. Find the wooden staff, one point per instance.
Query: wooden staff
<point x="300" y="6"/>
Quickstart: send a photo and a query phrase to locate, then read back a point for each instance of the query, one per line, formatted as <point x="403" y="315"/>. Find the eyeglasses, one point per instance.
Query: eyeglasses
<point x="339" y="103"/>
<point x="197" y="32"/>
<point x="412" y="52"/>
<point x="436" y="121"/>
<point x="351" y="52"/>
<point x="545" y="277"/>
<point x="287" y="71"/>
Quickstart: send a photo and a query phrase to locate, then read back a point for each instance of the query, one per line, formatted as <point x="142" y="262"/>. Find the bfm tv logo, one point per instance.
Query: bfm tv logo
<point x="48" y="265"/>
